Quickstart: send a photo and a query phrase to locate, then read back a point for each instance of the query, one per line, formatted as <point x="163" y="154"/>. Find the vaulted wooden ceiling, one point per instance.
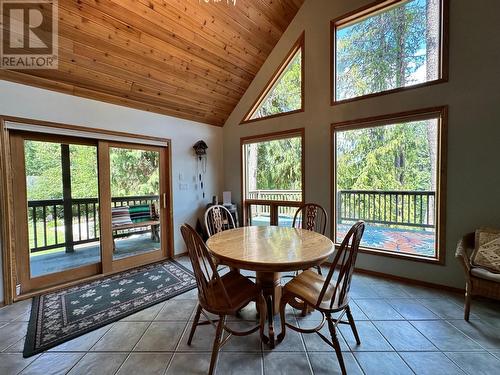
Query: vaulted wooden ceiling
<point x="185" y="58"/>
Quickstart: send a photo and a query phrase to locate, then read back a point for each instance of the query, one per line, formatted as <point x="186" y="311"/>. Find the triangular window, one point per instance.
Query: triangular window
<point x="284" y="93"/>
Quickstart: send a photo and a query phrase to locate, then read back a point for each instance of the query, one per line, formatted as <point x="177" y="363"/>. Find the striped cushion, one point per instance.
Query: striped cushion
<point x="120" y="216"/>
<point x="140" y="213"/>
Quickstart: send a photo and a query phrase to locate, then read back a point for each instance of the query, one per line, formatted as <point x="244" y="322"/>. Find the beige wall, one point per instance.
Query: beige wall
<point x="472" y="94"/>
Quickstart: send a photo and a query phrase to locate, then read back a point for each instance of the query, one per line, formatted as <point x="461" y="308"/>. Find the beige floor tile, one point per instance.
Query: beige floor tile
<point x="328" y="364"/>
<point x="382" y="363"/>
<point x="53" y="364"/>
<point x="11" y="333"/>
<point x="481" y="363"/>
<point x="13" y="363"/>
<point x="189" y="363"/>
<point x="202" y="340"/>
<point x="14" y="311"/>
<point x="403" y="336"/>
<point x="177" y="310"/>
<point x="121" y="337"/>
<point x="240" y="364"/>
<point x="280" y="363"/>
<point x="98" y="363"/>
<point x="161" y="336"/>
<point x="145" y="364"/>
<point x="425" y="363"/>
<point x="17" y="347"/>
<point x="82" y="343"/>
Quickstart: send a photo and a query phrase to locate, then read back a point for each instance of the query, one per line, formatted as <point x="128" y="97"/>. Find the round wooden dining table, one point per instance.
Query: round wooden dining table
<point x="270" y="250"/>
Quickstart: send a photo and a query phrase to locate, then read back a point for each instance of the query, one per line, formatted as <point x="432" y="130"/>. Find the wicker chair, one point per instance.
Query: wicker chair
<point x="219" y="295"/>
<point x="311" y="216"/>
<point x="325" y="294"/>
<point x="478" y="281"/>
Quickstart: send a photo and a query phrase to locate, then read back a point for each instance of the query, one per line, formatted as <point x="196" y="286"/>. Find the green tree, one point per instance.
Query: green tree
<point x="286" y="95"/>
<point x="278" y="164"/>
<point x="393" y="157"/>
<point x="381" y="52"/>
<point x="134" y="172"/>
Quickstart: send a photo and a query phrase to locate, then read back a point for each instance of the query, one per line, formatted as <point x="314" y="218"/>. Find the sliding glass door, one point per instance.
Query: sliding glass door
<point x="135" y="192"/>
<point x="56" y="206"/>
<point x="85" y="207"/>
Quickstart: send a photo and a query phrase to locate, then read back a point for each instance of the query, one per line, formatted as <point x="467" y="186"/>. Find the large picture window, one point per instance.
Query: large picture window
<point x="273" y="177"/>
<point x="390" y="46"/>
<point x="388" y="173"/>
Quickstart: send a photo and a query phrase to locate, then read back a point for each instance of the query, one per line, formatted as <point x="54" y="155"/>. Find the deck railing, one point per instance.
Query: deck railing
<point x="46" y="221"/>
<point x="275" y="195"/>
<point x="395" y="208"/>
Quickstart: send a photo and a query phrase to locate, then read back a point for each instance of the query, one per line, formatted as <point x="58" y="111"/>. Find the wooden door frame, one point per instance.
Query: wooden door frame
<point x="7" y="227"/>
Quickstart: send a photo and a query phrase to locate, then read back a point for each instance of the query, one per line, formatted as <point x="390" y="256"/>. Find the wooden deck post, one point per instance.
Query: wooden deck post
<point x="67" y="200"/>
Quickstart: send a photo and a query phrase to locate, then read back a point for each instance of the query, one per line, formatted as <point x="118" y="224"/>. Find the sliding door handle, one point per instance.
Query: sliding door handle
<point x="164" y="198"/>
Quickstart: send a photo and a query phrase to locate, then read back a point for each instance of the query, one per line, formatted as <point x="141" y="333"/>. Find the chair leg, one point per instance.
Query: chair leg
<point x="216" y="346"/>
<point x="353" y="325"/>
<point x="262" y="310"/>
<point x="283" y="302"/>
<point x="318" y="268"/>
<point x="303" y="313"/>
<point x="195" y="324"/>
<point x="336" y="344"/>
<point x="468" y="299"/>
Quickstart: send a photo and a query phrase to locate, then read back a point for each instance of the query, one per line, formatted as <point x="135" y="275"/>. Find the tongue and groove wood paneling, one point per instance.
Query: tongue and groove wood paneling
<point x="183" y="58"/>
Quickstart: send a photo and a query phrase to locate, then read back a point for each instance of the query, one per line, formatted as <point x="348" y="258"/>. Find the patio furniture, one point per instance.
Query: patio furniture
<point x="136" y="216"/>
<point x="219" y="295"/>
<point x="311" y="216"/>
<point x="480" y="280"/>
<point x="270" y="250"/>
<point x="217" y="219"/>
<point x="326" y="296"/>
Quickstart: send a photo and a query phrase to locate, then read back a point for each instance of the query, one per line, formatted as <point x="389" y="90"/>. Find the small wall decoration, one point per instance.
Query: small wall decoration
<point x="200" y="149"/>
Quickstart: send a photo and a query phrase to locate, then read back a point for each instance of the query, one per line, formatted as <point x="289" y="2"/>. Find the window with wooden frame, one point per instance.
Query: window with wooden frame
<point x="272" y="177"/>
<point x="284" y="94"/>
<point x="389" y="171"/>
<point x="389" y="46"/>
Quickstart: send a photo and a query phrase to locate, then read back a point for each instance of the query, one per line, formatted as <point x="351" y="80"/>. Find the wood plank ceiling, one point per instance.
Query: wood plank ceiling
<point x="183" y="58"/>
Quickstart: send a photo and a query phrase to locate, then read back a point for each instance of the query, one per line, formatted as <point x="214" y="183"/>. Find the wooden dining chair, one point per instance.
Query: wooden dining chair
<point x="326" y="295"/>
<point x="219" y="295"/>
<point x="311" y="216"/>
<point x="218" y="219"/>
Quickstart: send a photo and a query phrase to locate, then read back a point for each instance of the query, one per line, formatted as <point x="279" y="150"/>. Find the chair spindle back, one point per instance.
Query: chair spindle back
<point x="311" y="216"/>
<point x="218" y="219"/>
<point x="205" y="271"/>
<point x="344" y="261"/>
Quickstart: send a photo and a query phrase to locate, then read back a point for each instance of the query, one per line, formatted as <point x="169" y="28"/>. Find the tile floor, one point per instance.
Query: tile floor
<point x="404" y="329"/>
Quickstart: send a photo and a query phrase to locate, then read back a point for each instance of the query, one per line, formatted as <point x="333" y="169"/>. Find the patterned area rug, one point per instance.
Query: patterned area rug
<point x="63" y="315"/>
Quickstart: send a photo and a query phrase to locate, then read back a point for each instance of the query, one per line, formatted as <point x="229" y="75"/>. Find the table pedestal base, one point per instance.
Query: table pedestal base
<point x="271" y="288"/>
